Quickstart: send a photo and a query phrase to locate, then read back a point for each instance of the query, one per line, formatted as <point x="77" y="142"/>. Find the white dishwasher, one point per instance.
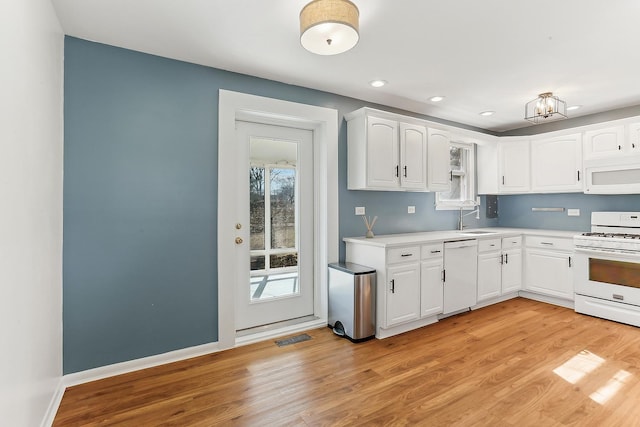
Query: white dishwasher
<point x="460" y="275"/>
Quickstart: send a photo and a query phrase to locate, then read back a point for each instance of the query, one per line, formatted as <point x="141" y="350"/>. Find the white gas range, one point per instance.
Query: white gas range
<point x="607" y="267"/>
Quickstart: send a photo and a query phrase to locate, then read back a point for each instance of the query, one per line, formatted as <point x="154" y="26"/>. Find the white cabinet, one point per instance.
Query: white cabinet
<point x="431" y="275"/>
<point x="487" y="160"/>
<point x="499" y="267"/>
<point x="460" y="275"/>
<point x="556" y="164"/>
<point x="606" y="142"/>
<point x="514" y="166"/>
<point x="489" y="269"/>
<point x="633" y="141"/>
<point x="385" y="153"/>
<point x="511" y="264"/>
<point x="403" y="293"/>
<point x="548" y="266"/>
<point x="438" y="160"/>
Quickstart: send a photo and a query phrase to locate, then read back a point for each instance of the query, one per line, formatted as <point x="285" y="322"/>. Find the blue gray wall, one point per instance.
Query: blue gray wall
<point x="140" y="200"/>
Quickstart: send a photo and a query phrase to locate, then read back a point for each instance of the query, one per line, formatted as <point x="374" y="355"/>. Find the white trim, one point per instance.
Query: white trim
<point x="54" y="404"/>
<point x="547" y="299"/>
<point x="292" y="329"/>
<point x="324" y="123"/>
<point x="137" y="364"/>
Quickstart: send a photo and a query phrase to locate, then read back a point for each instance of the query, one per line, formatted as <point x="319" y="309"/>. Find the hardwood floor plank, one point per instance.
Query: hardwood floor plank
<point x="517" y="363"/>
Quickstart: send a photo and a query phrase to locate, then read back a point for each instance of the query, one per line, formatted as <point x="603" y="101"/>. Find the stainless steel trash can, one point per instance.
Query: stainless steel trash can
<point x="352" y="300"/>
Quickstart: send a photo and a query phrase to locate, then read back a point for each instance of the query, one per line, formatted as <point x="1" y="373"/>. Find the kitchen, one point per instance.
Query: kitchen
<point x="107" y="85"/>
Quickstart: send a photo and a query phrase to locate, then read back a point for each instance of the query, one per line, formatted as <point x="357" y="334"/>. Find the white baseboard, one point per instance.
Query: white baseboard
<point x="52" y="410"/>
<point x="263" y="336"/>
<point x="548" y="299"/>
<point x="137" y="364"/>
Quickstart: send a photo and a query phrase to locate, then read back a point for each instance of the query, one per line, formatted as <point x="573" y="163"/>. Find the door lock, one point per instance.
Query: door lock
<point x="239" y="240"/>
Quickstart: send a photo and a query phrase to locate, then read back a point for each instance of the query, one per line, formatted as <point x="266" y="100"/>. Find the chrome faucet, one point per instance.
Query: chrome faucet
<point x="476" y="211"/>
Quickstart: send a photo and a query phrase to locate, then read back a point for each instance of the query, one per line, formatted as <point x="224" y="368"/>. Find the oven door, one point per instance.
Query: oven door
<point x="607" y="275"/>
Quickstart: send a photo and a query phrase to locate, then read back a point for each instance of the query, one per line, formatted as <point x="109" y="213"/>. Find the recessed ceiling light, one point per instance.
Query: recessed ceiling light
<point x="436" y="98"/>
<point x="574" y="107"/>
<point x="377" y="83"/>
<point x="487" y="113"/>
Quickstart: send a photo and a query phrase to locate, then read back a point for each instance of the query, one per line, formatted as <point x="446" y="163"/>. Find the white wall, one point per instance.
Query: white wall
<point x="31" y="99"/>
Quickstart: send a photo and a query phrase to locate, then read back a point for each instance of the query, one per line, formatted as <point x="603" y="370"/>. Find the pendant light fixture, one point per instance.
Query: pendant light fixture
<point x="329" y="27"/>
<point x="545" y="108"/>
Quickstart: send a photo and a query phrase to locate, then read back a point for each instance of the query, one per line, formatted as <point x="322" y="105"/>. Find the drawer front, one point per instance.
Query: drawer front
<point x="408" y="253"/>
<point x="557" y="243"/>
<point x="511" y="242"/>
<point x="487" y="245"/>
<point x="431" y="251"/>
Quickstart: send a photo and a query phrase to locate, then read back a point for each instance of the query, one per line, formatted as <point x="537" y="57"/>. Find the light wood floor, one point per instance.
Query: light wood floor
<point x="517" y="363"/>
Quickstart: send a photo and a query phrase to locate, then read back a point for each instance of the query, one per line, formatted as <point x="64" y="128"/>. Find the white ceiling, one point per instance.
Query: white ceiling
<point x="482" y="55"/>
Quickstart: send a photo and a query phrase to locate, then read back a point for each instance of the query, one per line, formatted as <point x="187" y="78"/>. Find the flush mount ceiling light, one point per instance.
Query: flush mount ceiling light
<point x="487" y="113"/>
<point x="545" y="108"/>
<point x="378" y="83"/>
<point x="574" y="107"/>
<point x="329" y="27"/>
<point x="436" y="98"/>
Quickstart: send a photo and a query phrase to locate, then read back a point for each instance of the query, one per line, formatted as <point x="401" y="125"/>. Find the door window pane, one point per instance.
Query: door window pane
<point x="256" y="207"/>
<point x="283" y="208"/>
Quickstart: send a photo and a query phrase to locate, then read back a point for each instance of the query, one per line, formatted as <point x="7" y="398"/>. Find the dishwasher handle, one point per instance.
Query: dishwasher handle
<point x="460" y="244"/>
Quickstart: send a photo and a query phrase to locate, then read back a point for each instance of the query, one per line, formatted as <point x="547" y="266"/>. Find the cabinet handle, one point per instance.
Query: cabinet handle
<point x="578" y="176"/>
<point x="633" y="145"/>
<point x="451" y="176"/>
<point x="403" y="255"/>
<point x="546" y="243"/>
<point x="393" y="286"/>
<point x="435" y="252"/>
<point x="397" y="171"/>
<point x="444" y="276"/>
<point x="502" y="179"/>
<point x="569" y="262"/>
<point x="501" y="258"/>
<point x="506" y="258"/>
<point x="405" y="171"/>
<point x="619" y="147"/>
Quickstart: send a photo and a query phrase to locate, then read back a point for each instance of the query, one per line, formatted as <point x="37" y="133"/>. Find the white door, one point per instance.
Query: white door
<point x="413" y="156"/>
<point x="403" y="295"/>
<point x="431" y="287"/>
<point x="557" y="164"/>
<point x="438" y="160"/>
<point x="383" y="168"/>
<point x="461" y="275"/>
<point x="274" y="207"/>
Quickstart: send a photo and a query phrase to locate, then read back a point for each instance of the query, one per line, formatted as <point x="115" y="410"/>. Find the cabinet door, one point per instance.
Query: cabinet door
<point x="403" y="293"/>
<point x="549" y="273"/>
<point x="382" y="153"/>
<point x="487" y="168"/>
<point x="413" y="156"/>
<point x="556" y="164"/>
<point x="514" y="166"/>
<point x="431" y="287"/>
<point x="608" y="142"/>
<point x="489" y="275"/>
<point x="438" y="160"/>
<point x="634" y="138"/>
<point x="512" y="271"/>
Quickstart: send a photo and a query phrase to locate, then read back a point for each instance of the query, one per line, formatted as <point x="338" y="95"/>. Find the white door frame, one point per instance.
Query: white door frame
<point x="323" y="122"/>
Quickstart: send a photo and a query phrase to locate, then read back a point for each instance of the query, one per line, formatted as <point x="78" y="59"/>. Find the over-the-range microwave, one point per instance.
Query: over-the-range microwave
<point x="612" y="176"/>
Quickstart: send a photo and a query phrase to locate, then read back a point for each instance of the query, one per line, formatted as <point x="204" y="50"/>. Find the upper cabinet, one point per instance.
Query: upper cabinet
<point x="606" y="142"/>
<point x="514" y="166"/>
<point x="556" y="164"/>
<point x="438" y="160"/>
<point x="386" y="152"/>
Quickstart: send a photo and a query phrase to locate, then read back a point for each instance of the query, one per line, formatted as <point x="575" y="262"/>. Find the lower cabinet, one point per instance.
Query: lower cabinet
<point x="549" y="263"/>
<point x="460" y="275"/>
<point x="499" y="267"/>
<point x="431" y="292"/>
<point x="403" y="293"/>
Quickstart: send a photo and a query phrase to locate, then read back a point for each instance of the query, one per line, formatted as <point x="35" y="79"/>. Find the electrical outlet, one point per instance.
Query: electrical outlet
<point x="360" y="210"/>
<point x="573" y="212"/>
<point x="411" y="209"/>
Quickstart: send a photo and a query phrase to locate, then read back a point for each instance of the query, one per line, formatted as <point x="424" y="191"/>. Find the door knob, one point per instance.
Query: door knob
<point x="238" y="240"/>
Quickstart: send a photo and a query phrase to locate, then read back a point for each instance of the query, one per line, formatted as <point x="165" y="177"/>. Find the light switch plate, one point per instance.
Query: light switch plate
<point x="573" y="212"/>
<point x="411" y="209"/>
<point x="360" y="210"/>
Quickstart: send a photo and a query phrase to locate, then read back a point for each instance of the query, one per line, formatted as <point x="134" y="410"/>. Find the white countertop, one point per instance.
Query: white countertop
<point x="389" y="240"/>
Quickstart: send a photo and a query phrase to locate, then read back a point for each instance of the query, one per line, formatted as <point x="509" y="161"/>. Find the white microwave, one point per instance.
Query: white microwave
<point x="622" y="177"/>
